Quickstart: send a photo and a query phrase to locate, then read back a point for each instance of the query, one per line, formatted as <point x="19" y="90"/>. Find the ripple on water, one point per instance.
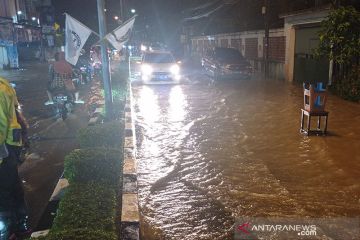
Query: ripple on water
<point x="234" y="149"/>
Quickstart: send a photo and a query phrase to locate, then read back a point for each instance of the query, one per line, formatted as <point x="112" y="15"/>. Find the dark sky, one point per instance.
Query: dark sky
<point x="151" y="12"/>
<point x="161" y="18"/>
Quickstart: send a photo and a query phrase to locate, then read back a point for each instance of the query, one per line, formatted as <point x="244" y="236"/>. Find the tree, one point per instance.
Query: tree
<point x="340" y="35"/>
<point x="340" y="42"/>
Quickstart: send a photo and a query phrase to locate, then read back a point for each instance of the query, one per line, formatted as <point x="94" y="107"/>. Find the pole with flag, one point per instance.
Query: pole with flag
<point x="105" y="61"/>
<point x="76" y="35"/>
<point x="121" y="34"/>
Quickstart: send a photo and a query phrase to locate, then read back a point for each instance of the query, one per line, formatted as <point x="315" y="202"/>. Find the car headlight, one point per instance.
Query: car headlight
<point x="175" y="69"/>
<point x="146" y="69"/>
<point x="143" y="48"/>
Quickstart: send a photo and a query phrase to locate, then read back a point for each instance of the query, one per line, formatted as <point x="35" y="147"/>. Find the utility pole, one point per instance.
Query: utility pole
<point x="105" y="61"/>
<point x="122" y="11"/>
<point x="265" y="12"/>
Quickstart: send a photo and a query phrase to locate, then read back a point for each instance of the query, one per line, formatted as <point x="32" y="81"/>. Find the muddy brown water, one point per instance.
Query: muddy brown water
<point x="211" y="152"/>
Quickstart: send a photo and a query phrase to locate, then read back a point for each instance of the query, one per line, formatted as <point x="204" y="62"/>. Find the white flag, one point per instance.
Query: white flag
<point x="76" y="35"/>
<point x="121" y="35"/>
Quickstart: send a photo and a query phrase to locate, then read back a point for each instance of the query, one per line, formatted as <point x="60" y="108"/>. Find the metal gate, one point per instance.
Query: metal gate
<point x="307" y="68"/>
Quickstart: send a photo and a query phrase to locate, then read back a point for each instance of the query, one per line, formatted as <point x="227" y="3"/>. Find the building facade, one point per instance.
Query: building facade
<point x="290" y="46"/>
<point x="21" y="35"/>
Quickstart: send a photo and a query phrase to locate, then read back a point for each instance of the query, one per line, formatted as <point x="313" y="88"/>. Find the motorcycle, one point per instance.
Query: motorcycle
<point x="85" y="74"/>
<point x="97" y="68"/>
<point x="84" y="69"/>
<point x="63" y="104"/>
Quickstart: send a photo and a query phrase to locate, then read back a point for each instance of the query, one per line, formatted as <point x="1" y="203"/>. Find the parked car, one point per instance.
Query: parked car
<point x="159" y="66"/>
<point x="226" y="63"/>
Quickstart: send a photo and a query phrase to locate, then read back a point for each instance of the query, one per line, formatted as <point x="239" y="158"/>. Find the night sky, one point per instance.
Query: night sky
<point x="160" y="18"/>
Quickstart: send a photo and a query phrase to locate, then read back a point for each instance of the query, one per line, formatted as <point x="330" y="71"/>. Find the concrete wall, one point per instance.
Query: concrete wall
<point x="292" y="21"/>
<point x="282" y="42"/>
<point x="251" y="45"/>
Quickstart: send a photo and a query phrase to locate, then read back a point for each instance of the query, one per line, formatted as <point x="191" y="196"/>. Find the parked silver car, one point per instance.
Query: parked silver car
<point x="226" y="63"/>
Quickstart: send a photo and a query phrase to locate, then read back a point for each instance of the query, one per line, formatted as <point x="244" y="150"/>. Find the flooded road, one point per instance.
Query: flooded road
<point x="51" y="139"/>
<point x="209" y="153"/>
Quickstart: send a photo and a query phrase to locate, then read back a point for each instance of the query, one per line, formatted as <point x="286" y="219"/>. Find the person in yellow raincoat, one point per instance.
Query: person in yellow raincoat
<point x="11" y="190"/>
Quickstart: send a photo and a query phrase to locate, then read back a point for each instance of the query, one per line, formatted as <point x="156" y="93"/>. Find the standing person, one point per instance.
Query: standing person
<point x="11" y="142"/>
<point x="95" y="56"/>
<point x="60" y="78"/>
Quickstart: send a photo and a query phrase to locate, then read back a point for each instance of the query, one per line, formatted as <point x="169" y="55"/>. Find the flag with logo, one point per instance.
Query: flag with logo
<point x="121" y="35"/>
<point x="76" y="35"/>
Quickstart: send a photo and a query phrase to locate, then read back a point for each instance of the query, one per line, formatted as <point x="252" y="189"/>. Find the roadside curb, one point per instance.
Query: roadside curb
<point x="49" y="213"/>
<point x="48" y="216"/>
<point x="130" y="216"/>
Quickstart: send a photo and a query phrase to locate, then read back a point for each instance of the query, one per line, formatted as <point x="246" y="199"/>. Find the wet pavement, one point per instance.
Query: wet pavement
<point x="51" y="138"/>
<point x="210" y="152"/>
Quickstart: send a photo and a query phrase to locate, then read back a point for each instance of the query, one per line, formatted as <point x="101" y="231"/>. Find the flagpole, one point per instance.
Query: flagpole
<point x="105" y="61"/>
<point x="122" y="10"/>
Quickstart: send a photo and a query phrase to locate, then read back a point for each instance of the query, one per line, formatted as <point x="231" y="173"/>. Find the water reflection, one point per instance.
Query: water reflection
<point x="210" y="153"/>
<point x="148" y="105"/>
<point x="177" y="104"/>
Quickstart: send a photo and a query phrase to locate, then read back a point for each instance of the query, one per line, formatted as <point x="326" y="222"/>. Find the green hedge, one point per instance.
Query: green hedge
<point x="348" y="87"/>
<point x="119" y="86"/>
<point x="108" y="134"/>
<point x="100" y="165"/>
<point x="91" y="206"/>
<point x="80" y="234"/>
<point x="87" y="210"/>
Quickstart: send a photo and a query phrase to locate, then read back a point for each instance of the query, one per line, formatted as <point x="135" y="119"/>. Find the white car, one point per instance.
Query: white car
<point x="159" y="66"/>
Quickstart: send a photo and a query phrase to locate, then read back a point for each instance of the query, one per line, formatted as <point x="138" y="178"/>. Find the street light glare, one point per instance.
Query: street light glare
<point x="133" y="10"/>
<point x="19" y="12"/>
<point x="116" y="17"/>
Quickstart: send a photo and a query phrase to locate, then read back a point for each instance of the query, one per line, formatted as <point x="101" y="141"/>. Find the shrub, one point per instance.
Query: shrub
<point x="108" y="134"/>
<point x="339" y="36"/>
<point x="339" y="41"/>
<point x="100" y="165"/>
<point x="80" y="234"/>
<point x="349" y="87"/>
<point x="119" y="96"/>
<point x="91" y="206"/>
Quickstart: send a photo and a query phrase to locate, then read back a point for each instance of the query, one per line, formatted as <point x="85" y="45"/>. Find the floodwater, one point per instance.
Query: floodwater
<point x="211" y="152"/>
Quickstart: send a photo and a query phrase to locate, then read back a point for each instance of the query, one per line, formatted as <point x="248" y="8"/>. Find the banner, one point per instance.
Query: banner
<point x="121" y="35"/>
<point x="76" y="35"/>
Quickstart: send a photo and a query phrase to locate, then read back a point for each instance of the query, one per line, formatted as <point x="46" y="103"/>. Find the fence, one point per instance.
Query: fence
<point x="251" y="45"/>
